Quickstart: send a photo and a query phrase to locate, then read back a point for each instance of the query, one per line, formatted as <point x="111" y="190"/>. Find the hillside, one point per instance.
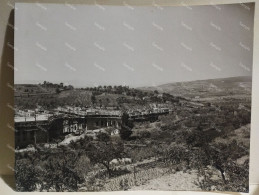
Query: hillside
<point x="51" y="95"/>
<point x="27" y="96"/>
<point x="207" y="88"/>
<point x="32" y="89"/>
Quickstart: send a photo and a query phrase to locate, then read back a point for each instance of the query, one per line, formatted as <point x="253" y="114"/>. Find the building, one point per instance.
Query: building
<point x="30" y="132"/>
<point x="43" y="130"/>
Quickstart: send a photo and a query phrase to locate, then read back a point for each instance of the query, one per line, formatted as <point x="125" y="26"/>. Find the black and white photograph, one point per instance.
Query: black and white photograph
<point x="132" y="98"/>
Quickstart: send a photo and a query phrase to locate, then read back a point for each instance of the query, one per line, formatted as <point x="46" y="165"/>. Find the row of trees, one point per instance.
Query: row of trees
<point x="102" y="102"/>
<point x="47" y="84"/>
<point x="126" y="90"/>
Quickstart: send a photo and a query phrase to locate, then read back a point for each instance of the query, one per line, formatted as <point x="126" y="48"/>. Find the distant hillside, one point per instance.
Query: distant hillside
<point x="28" y="96"/>
<point x="207" y="88"/>
<point x="51" y="95"/>
<point x="45" y="88"/>
<point x="32" y="89"/>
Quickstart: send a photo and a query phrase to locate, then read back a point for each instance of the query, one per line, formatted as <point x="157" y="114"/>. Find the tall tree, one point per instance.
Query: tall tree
<point x="100" y="102"/>
<point x="126" y="126"/>
<point x="93" y="99"/>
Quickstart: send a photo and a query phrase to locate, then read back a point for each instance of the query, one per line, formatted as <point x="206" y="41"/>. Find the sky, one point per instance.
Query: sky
<point x="90" y="45"/>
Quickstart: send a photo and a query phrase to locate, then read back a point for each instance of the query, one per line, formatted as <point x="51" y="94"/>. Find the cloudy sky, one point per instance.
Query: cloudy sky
<point x="136" y="46"/>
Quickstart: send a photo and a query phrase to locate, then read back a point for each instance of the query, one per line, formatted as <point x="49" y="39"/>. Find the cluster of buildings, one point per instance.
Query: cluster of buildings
<point x="32" y="126"/>
<point x="42" y="126"/>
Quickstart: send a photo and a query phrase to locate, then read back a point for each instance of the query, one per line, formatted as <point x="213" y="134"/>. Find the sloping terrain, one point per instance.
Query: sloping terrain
<point x="178" y="181"/>
<point x="28" y="96"/>
<point x="32" y="89"/>
<point x="207" y="88"/>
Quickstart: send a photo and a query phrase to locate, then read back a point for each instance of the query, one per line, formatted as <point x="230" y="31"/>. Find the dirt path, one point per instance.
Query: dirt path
<point x="178" y="181"/>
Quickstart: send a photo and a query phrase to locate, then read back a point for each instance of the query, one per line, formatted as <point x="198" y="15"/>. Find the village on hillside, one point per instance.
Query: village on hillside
<point x="132" y="98"/>
<point x="109" y="138"/>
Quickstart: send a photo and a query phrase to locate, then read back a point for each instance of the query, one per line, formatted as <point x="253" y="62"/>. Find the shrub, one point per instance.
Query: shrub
<point x="26" y="176"/>
<point x="83" y="166"/>
<point x="144" y="134"/>
<point x="104" y="137"/>
<point x="60" y="173"/>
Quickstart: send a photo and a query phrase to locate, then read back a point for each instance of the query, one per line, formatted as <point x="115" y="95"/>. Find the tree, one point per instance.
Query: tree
<point x="60" y="172"/>
<point x="100" y="102"/>
<point x="222" y="157"/>
<point x="103" y="153"/>
<point x="57" y="90"/>
<point x="196" y="138"/>
<point x="107" y="102"/>
<point x="70" y="87"/>
<point x="178" y="153"/>
<point x="126" y="126"/>
<point x="93" y="99"/>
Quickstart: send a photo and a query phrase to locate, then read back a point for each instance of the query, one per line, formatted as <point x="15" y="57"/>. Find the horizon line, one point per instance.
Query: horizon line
<point x="77" y="86"/>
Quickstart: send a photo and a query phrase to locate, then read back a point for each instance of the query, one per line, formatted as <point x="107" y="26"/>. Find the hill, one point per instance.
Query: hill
<point x="50" y="95"/>
<point x="207" y="88"/>
<point x="28" y="96"/>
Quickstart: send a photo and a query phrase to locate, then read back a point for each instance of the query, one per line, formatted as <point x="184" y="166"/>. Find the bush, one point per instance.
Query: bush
<point x="83" y="166"/>
<point x="60" y="173"/>
<point x="144" y="134"/>
<point x="104" y="137"/>
<point x="26" y="176"/>
<point x="139" y="154"/>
